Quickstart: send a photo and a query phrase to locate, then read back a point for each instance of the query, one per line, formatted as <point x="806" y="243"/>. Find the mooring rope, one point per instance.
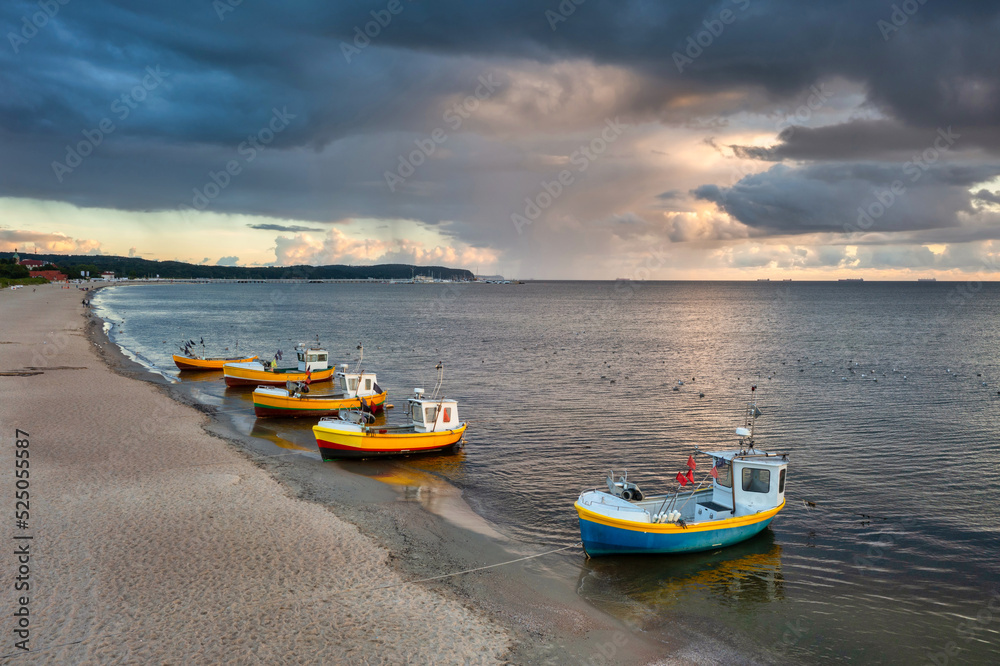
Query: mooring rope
<point x="459" y="573"/>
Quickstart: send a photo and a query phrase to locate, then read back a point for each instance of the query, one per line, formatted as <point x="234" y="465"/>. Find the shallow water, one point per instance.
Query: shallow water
<point x="897" y="559"/>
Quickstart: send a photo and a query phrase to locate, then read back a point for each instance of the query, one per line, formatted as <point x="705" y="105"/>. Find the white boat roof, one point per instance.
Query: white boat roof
<point x="433" y="401"/>
<point x="756" y="456"/>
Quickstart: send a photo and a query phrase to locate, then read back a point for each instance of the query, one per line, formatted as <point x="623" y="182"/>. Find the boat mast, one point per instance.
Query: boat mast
<point x="440" y="368"/>
<point x="750" y="418"/>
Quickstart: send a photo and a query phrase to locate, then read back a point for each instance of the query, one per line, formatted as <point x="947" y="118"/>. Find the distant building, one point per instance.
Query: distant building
<point x="490" y="278"/>
<point x="51" y="276"/>
<point x="108" y="275"/>
<point x="28" y="263"/>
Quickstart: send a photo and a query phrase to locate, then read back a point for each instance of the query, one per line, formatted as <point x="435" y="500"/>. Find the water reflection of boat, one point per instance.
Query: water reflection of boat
<point x="745" y="575"/>
<point x="291" y="434"/>
<point x="746" y="489"/>
<point x="272" y="435"/>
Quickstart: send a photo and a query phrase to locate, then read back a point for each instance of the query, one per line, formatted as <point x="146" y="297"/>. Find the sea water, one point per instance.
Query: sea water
<point x="886" y="396"/>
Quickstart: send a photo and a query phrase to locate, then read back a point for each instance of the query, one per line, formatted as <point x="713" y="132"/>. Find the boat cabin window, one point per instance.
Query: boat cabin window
<point x="321" y="358"/>
<point x="431" y="414"/>
<point x="781" y="481"/>
<point x="312" y="358"/>
<point x="417" y="412"/>
<point x="354" y="383"/>
<point x="447" y="414"/>
<point x="302" y="357"/>
<point x="756" y="480"/>
<point x="726" y="476"/>
<point x="368" y="384"/>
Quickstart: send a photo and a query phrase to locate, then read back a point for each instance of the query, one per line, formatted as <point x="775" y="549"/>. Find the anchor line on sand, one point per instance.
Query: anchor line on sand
<point x="458" y="573"/>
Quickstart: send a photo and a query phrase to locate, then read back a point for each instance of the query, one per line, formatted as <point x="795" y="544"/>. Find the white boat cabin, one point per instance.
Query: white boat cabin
<point x="312" y="359"/>
<point x="355" y="384"/>
<point x="432" y="415"/>
<point x="749" y="480"/>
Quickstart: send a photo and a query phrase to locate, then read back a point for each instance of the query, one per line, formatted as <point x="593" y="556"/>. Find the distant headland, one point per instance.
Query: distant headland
<point x="135" y="267"/>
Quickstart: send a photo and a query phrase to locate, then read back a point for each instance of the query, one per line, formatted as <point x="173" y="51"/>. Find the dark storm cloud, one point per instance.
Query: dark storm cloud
<point x="357" y="102"/>
<point x="865" y="139"/>
<point x="227" y="69"/>
<point x="987" y="196"/>
<point x="283" y="227"/>
<point x="838" y="197"/>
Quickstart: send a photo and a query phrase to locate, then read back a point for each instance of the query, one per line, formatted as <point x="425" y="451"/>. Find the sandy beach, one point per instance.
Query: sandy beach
<point x="156" y="542"/>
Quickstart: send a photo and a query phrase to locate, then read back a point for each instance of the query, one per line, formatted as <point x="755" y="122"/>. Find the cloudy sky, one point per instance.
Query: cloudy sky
<point x="544" y="139"/>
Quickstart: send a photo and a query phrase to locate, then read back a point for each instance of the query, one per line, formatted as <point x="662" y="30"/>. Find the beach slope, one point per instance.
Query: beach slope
<point x="155" y="542"/>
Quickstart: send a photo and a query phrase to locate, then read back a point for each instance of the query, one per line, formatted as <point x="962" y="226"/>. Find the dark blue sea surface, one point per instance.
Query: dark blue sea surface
<point x="885" y="395"/>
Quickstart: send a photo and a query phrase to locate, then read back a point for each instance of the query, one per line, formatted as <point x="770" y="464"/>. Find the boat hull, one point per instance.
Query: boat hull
<point x="188" y="363"/>
<point x="278" y="406"/>
<point x="337" y="444"/>
<point x="236" y="376"/>
<point x="602" y="535"/>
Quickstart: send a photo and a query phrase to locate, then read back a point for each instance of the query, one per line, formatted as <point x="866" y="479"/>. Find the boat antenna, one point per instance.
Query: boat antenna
<point x="751" y="414"/>
<point x="361" y="355"/>
<point x="440" y="368"/>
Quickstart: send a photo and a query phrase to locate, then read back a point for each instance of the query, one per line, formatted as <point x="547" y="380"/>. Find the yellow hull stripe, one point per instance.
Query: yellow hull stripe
<point x="668" y="528"/>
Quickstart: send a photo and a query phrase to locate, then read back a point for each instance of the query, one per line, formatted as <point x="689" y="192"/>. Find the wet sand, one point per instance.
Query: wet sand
<point x="162" y="534"/>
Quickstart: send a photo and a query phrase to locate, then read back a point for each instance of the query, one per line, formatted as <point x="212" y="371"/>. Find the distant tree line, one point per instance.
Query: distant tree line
<point x="8" y="269"/>
<point x="135" y="267"/>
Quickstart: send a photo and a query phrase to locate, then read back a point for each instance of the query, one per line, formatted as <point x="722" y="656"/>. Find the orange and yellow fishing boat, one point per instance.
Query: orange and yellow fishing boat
<point x="195" y="363"/>
<point x="357" y="390"/>
<point x="313" y="366"/>
<point x="434" y="428"/>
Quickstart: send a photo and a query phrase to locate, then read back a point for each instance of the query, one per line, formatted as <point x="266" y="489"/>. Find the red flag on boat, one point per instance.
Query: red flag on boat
<point x="690" y="476"/>
<point x="691" y="462"/>
<point x="714" y="472"/>
<point x="681" y="479"/>
<point x="308" y="376"/>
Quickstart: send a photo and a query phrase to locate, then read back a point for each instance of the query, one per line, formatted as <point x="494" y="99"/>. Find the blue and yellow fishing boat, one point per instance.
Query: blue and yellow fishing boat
<point x="746" y="490"/>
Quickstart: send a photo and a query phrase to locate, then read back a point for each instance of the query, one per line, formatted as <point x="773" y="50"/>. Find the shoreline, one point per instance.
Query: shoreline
<point x="548" y="621"/>
<point x="424" y="544"/>
<point x="155" y="541"/>
<point x="533" y="604"/>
